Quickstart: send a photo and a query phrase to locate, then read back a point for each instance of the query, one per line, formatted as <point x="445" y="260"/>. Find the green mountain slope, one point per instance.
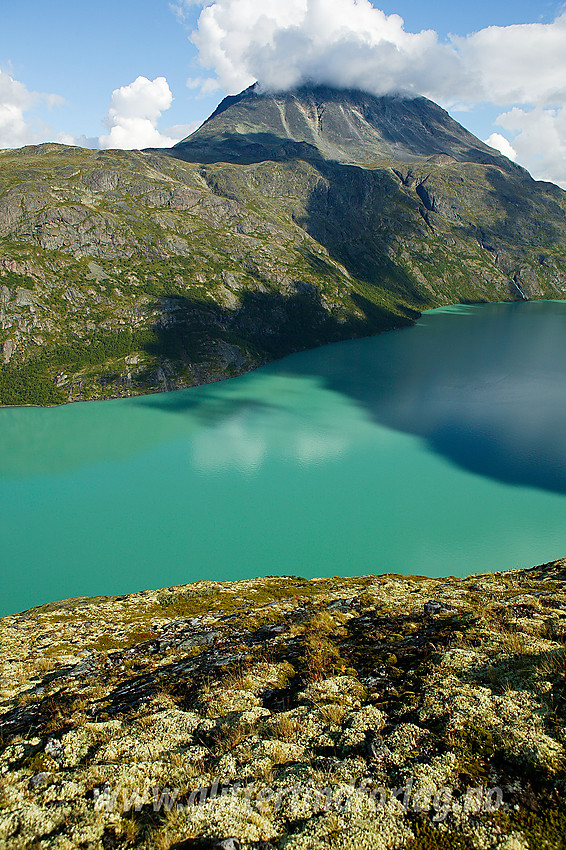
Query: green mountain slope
<point x="287" y="221"/>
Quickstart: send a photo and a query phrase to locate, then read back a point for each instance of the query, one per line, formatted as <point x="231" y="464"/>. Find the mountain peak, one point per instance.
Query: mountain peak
<point x="346" y="125"/>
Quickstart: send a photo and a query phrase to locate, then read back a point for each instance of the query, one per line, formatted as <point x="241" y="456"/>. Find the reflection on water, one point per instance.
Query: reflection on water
<point x="437" y="449"/>
<point x="237" y="423"/>
<point x="484" y="386"/>
<point x="312" y="424"/>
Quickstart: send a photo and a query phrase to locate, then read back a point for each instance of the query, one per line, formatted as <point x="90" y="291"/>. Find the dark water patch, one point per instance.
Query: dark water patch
<point x="485" y="386"/>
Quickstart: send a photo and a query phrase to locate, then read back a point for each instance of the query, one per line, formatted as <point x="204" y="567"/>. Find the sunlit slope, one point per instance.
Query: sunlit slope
<point x="285" y="222"/>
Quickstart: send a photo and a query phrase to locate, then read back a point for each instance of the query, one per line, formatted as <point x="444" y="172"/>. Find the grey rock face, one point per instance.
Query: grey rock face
<point x="227" y="844"/>
<point x="101" y="180"/>
<point x="39" y="779"/>
<point x="55" y="749"/>
<point x="433" y="607"/>
<point x="349" y="126"/>
<point x="7" y="350"/>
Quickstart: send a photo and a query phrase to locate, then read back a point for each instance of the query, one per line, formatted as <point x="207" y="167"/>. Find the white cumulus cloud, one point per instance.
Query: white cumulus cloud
<point x="539" y="137"/>
<point x="16" y="128"/>
<point x="131" y="120"/>
<point x="133" y="115"/>
<point x="524" y="63"/>
<point x="350" y="43"/>
<point x="339" y="42"/>
<point x="503" y="145"/>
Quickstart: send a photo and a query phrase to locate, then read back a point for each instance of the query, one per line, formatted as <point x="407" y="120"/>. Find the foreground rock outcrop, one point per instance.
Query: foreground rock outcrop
<point x="374" y="712"/>
<point x="287" y="221"/>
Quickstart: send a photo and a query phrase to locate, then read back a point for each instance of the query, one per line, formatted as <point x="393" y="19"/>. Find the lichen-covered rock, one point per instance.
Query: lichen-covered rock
<point x="331" y="713"/>
<point x="343" y="690"/>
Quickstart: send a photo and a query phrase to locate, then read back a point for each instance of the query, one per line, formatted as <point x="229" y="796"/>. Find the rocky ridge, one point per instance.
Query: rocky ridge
<point x="375" y="712"/>
<point x="285" y="222"/>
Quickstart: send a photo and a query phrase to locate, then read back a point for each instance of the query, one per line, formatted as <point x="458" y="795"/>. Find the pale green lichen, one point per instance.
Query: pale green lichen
<point x="391" y="746"/>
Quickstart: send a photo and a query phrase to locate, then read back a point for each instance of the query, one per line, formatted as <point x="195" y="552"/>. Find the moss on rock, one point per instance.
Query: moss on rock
<point x="331" y="713"/>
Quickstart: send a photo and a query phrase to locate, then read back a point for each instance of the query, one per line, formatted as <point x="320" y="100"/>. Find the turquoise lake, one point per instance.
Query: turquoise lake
<point x="438" y="449"/>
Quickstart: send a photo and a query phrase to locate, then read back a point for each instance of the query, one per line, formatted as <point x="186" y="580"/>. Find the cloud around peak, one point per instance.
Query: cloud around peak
<point x="352" y="44"/>
<point x="347" y="43"/>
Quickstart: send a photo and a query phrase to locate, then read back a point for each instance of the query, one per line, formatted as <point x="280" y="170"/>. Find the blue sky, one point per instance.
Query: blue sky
<point x="462" y="18"/>
<point x="82" y="52"/>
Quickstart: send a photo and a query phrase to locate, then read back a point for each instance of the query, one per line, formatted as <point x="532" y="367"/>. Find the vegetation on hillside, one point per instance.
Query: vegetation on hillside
<point x="215" y="268"/>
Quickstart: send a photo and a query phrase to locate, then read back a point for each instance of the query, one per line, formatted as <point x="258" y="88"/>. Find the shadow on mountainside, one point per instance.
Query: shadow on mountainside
<point x="243" y="149"/>
<point x="351" y="211"/>
<point x="522" y="218"/>
<point x="268" y="326"/>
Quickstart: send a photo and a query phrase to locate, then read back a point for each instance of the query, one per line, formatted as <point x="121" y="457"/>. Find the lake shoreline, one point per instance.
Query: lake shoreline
<point x="253" y="367"/>
<point x="399" y="452"/>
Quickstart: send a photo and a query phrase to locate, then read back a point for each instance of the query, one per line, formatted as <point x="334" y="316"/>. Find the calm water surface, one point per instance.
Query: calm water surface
<point x="439" y="449"/>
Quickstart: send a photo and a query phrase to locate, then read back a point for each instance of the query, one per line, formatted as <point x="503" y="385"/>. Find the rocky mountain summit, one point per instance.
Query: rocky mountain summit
<point x="381" y="712"/>
<point x="285" y="222"/>
<point x="350" y="127"/>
